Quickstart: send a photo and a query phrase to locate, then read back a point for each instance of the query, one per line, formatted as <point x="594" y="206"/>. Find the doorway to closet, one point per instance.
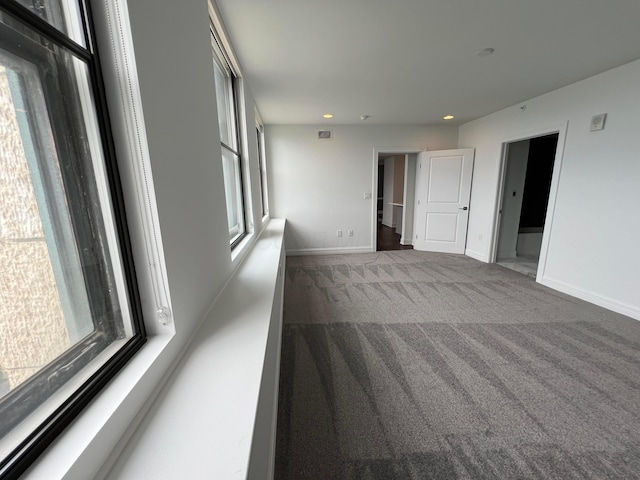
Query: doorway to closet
<point x="528" y="173"/>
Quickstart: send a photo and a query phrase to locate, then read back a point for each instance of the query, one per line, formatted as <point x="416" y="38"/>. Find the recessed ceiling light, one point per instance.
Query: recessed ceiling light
<point x="448" y="117"/>
<point x="328" y="115"/>
<point x="485" y="51"/>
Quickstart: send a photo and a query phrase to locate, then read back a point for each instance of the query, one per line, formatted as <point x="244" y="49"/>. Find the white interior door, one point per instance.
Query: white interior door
<point x="443" y="188"/>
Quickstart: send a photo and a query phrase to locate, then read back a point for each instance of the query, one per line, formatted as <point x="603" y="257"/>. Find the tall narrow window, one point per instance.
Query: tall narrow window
<point x="225" y="81"/>
<point x="69" y="307"/>
<point x="262" y="169"/>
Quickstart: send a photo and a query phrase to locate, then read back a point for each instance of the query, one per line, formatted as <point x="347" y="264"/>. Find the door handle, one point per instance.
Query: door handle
<point x="463" y="208"/>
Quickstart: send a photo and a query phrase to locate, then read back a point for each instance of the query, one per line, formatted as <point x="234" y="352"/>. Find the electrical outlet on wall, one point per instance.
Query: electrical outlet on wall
<point x="350" y="233"/>
<point x="339" y="233"/>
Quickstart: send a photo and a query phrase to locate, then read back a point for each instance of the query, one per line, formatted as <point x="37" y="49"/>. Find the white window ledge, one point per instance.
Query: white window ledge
<point x="208" y="416"/>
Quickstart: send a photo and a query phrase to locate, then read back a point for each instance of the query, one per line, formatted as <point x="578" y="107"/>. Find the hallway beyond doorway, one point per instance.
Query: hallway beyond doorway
<point x="388" y="239"/>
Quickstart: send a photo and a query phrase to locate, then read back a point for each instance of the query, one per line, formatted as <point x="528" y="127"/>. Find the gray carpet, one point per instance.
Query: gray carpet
<point x="414" y="365"/>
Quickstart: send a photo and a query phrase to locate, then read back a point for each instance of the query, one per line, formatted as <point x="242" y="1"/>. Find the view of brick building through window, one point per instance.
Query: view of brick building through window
<point x="33" y="331"/>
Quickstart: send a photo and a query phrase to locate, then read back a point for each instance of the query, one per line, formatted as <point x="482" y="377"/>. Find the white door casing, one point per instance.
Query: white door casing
<point x="443" y="189"/>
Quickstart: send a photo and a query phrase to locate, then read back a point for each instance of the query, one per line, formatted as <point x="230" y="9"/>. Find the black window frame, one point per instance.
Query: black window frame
<point x="52" y="377"/>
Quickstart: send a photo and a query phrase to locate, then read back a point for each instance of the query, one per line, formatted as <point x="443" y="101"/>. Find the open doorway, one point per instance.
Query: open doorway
<point x="395" y="198"/>
<point x="391" y="201"/>
<point x="526" y="187"/>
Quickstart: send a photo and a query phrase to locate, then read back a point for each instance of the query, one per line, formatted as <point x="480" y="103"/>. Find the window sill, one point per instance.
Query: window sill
<point x="84" y="445"/>
<point x="238" y="253"/>
<point x="220" y="402"/>
<point x="196" y="425"/>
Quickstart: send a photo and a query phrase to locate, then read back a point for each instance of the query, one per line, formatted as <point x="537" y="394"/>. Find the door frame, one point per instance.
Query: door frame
<point x="561" y="130"/>
<point x="374" y="186"/>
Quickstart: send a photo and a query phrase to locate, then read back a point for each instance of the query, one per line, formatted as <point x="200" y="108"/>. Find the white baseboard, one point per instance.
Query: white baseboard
<point x="476" y="255"/>
<point x="404" y="241"/>
<point x="328" y="251"/>
<point x="592" y="297"/>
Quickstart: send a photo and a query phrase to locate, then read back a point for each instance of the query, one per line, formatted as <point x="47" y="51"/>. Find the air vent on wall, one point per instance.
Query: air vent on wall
<point x="325" y="135"/>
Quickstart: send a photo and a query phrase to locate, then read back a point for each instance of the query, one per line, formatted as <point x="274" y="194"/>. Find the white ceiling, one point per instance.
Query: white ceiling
<point x="413" y="61"/>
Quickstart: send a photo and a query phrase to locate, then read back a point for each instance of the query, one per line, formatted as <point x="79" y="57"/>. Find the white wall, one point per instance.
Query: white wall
<point x="398" y="179"/>
<point x="184" y="145"/>
<point x="593" y="243"/>
<point x="181" y="120"/>
<point x="529" y="244"/>
<point x="251" y="166"/>
<point x="388" y="210"/>
<point x="411" y="162"/>
<point x="398" y="191"/>
<point x="319" y="186"/>
<point x="515" y="175"/>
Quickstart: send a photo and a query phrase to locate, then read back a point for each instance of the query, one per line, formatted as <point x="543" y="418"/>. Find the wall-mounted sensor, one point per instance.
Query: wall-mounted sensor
<point x="597" y="122"/>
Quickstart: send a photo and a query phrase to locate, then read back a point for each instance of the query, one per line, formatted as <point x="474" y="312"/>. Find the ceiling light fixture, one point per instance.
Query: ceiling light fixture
<point x="448" y="117"/>
<point x="485" y="51"/>
<point x="364" y="117"/>
<point x="328" y="115"/>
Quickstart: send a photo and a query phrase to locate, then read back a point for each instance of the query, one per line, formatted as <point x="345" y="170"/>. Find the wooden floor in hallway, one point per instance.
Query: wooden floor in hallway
<point x="388" y="239"/>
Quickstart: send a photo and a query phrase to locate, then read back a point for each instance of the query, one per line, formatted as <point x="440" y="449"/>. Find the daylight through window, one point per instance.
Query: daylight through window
<point x="225" y="82"/>
<point x="262" y="169"/>
<point x="69" y="313"/>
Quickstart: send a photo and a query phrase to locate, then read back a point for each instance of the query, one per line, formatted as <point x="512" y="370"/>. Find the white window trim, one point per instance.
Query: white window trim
<point x="236" y="146"/>
<point x="245" y="158"/>
<point x="262" y="155"/>
<point x="223" y="47"/>
<point x="130" y="139"/>
<point x="223" y="38"/>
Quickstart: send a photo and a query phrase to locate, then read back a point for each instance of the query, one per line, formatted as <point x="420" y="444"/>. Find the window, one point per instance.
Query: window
<point x="226" y="81"/>
<point x="69" y="307"/>
<point x="262" y="168"/>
